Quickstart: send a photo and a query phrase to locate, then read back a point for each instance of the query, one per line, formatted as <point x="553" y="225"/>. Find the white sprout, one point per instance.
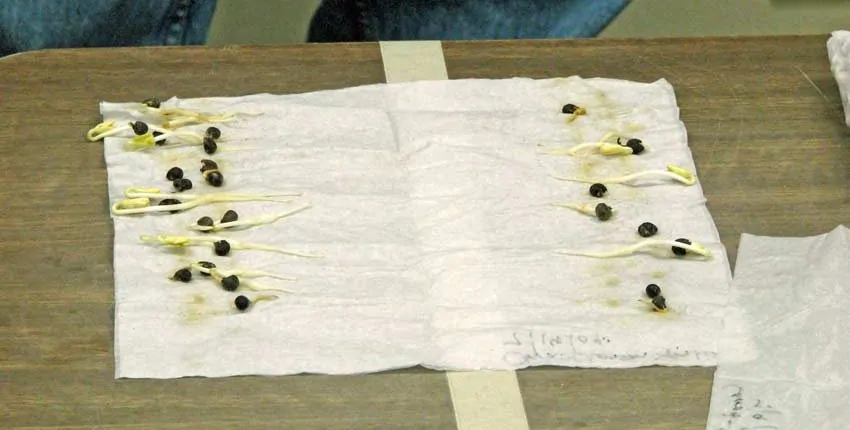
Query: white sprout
<point x="645" y="245"/>
<point x="176" y="117"/>
<point x="260" y="298"/>
<point x="242" y="273"/>
<point x="588" y="209"/>
<point x="108" y="128"/>
<point x="266" y="219"/>
<point x="605" y="146"/>
<point x="139" y="200"/>
<point x="184" y="241"/>
<point x="244" y="277"/>
<point x="675" y="173"/>
<point x="148" y="140"/>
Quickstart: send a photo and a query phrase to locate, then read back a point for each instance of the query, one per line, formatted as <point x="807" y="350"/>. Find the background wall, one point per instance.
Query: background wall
<point x="286" y="21"/>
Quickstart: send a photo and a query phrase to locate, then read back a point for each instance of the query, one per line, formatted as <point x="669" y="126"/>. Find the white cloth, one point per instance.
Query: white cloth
<point x="838" y="50"/>
<point x="431" y="207"/>
<point x="783" y="363"/>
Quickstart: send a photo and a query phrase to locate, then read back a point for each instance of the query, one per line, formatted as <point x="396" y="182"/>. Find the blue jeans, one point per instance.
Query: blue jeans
<point x="370" y="20"/>
<point x="38" y="24"/>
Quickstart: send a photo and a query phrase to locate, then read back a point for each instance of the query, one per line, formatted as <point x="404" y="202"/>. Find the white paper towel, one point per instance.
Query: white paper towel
<point x="785" y="365"/>
<point x="431" y="206"/>
<point x="838" y="50"/>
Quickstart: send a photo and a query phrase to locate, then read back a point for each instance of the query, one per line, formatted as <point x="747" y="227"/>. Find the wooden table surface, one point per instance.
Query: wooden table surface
<point x="765" y="126"/>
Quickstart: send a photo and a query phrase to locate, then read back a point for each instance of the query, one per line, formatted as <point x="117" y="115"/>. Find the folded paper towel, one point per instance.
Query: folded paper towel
<point x="783" y="363"/>
<point x="838" y="50"/>
<point x="431" y="206"/>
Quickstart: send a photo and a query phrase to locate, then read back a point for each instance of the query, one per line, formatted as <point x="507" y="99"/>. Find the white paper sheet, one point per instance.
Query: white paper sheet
<point x="431" y="207"/>
<point x="785" y="363"/>
<point x="838" y="50"/>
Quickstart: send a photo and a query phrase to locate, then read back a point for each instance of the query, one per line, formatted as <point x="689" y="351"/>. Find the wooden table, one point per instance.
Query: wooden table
<point x="765" y="126"/>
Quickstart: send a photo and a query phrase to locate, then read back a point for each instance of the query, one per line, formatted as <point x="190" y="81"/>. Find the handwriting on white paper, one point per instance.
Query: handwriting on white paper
<point x="744" y="412"/>
<point x="533" y="347"/>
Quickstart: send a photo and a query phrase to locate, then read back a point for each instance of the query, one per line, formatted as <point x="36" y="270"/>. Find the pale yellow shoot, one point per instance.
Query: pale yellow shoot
<point x="141" y="202"/>
<point x="686" y="175"/>
<point x="614" y="149"/>
<point x="93" y="134"/>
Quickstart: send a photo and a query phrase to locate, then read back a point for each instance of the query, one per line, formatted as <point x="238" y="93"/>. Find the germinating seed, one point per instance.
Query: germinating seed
<point x="569" y="108"/>
<point x="653" y="291"/>
<point x="603" y="212"/>
<point x="659" y="303"/>
<point x="213" y="132"/>
<point x="229" y="216"/>
<point x="209" y="145"/>
<point x="182" y="184"/>
<point x="152" y="102"/>
<point x="182" y="275"/>
<point x="647" y="229"/>
<point x="636" y="145"/>
<point x="208" y="165"/>
<point x="241" y="303"/>
<point x="230" y="283"/>
<point x="598" y="190"/>
<point x="139" y="128"/>
<point x="681" y="251"/>
<point x="205" y="221"/>
<point x="159" y="142"/>
<point x="174" y="173"/>
<point x="206" y="265"/>
<point x="221" y="248"/>
<point x="214" y="178"/>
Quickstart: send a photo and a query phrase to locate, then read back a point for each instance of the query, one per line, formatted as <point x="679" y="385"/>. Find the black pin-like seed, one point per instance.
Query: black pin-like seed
<point x="221" y="248"/>
<point x="241" y="303"/>
<point x="205" y="221"/>
<point x="139" y="128"/>
<point x="209" y="145"/>
<point x="229" y="216"/>
<point x="159" y="142"/>
<point x="659" y="303"/>
<point x="168" y="202"/>
<point x="636" y="145"/>
<point x="174" y="174"/>
<point x="230" y="283"/>
<point x="182" y="184"/>
<point x="152" y="102"/>
<point x="598" y="190"/>
<point x="603" y="212"/>
<point x="206" y="265"/>
<point x="569" y="108"/>
<point x="213" y="132"/>
<point x="214" y="178"/>
<point x="208" y="165"/>
<point x="653" y="291"/>
<point x="681" y="251"/>
<point x="647" y="229"/>
<point x="182" y="275"/>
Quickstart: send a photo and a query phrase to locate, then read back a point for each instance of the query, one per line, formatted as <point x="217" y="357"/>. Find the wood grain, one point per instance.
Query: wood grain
<point x="772" y="154"/>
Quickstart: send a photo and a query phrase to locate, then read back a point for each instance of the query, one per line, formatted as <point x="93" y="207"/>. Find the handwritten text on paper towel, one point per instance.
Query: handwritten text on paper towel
<point x="743" y="413"/>
<point x="531" y="347"/>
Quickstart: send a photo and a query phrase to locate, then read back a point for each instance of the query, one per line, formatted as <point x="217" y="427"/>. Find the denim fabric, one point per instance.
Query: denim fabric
<point x="358" y="20"/>
<point x="38" y="24"/>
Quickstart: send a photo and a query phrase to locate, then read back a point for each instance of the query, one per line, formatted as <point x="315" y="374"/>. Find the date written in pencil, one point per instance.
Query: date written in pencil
<point x="529" y="347"/>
